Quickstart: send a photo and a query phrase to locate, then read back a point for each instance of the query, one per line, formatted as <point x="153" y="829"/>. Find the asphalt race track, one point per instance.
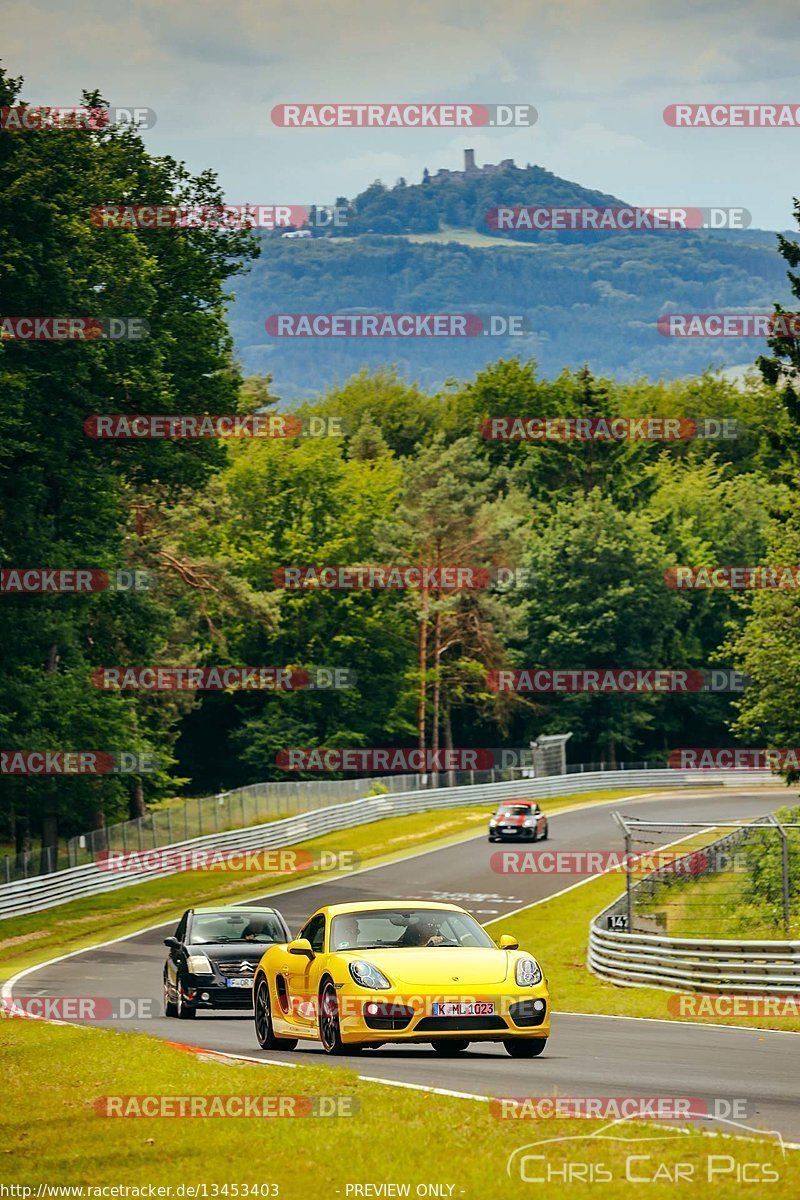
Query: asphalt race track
<point x="586" y="1055"/>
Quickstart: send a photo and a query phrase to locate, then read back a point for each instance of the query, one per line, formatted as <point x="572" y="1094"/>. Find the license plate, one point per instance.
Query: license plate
<point x="243" y="983"/>
<point x="481" y="1008"/>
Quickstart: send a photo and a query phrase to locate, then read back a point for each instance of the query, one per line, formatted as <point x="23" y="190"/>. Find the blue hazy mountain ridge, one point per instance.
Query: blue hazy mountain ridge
<point x="587" y="297"/>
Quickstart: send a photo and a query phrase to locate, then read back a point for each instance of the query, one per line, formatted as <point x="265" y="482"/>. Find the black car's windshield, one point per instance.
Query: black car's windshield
<point x="398" y="927"/>
<point x="258" y="928"/>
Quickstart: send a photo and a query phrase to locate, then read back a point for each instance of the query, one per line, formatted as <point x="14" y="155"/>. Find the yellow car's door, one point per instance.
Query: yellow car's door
<point x="304" y="975"/>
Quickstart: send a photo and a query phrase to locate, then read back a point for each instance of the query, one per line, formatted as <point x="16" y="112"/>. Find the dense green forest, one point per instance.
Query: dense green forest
<point x="411" y="480"/>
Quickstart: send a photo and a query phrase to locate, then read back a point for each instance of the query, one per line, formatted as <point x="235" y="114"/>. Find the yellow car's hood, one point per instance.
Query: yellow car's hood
<point x="432" y="966"/>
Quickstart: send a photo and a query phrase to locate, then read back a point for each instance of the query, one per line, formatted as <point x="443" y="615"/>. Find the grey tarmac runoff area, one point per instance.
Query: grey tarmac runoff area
<point x="586" y="1055"/>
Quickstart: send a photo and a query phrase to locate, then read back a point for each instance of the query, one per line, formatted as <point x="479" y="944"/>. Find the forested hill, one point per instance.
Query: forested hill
<point x="587" y="297"/>
<point x="595" y="302"/>
<point x="462" y="199"/>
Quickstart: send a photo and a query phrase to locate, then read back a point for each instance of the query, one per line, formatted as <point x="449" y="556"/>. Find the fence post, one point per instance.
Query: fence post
<point x="8" y="870"/>
<point x="199" y="815"/>
<point x="785" y="878"/>
<point x="241" y="797"/>
<point x="628" y="893"/>
<point x="169" y="826"/>
<point x="155" y="835"/>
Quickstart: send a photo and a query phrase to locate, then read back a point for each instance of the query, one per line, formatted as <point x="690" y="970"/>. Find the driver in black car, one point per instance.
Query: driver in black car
<point x="253" y="929"/>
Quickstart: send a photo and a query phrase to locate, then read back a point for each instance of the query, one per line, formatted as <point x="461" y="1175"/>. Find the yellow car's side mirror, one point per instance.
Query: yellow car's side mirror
<point x="508" y="942"/>
<point x="301" y="946"/>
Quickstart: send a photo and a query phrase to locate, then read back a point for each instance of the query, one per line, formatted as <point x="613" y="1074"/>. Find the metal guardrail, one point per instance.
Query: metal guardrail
<point x="708" y="965"/>
<point x="48" y="891"/>
<point x="239" y="809"/>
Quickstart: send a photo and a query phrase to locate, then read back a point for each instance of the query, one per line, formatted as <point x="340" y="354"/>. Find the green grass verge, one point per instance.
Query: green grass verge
<point x="52" y="1132"/>
<point x="557" y="932"/>
<point x="27" y="940"/>
<point x="717" y="907"/>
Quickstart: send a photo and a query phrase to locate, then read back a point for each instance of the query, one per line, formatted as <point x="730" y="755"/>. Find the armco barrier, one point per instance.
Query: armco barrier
<point x="715" y="966"/>
<point x="47" y="891"/>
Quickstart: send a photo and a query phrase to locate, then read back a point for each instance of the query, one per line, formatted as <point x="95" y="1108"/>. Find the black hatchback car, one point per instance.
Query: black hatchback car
<point x="213" y="956"/>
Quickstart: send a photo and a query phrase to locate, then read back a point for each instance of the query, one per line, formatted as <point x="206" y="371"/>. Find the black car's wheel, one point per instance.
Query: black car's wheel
<point x="525" y="1048"/>
<point x="449" y="1047"/>
<point x="170" y="1007"/>
<point x="184" y="1012"/>
<point x="330" y="1033"/>
<point x="262" y="1015"/>
<point x="492" y="839"/>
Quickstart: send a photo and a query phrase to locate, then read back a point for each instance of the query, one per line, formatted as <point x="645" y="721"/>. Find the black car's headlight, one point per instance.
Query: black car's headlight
<point x="528" y="972"/>
<point x="198" y="964"/>
<point x="368" y="976"/>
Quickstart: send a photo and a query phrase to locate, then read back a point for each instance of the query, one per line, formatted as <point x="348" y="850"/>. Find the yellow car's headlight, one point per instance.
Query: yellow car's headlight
<point x="528" y="972"/>
<point x="368" y="976"/>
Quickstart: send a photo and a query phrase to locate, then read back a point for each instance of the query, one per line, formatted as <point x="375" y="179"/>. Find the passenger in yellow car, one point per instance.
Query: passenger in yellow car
<point x="347" y="932"/>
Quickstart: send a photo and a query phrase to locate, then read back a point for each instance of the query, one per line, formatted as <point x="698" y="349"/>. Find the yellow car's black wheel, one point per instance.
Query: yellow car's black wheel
<point x="525" y="1047"/>
<point x="262" y="1016"/>
<point x="450" y="1046"/>
<point x="330" y="1033"/>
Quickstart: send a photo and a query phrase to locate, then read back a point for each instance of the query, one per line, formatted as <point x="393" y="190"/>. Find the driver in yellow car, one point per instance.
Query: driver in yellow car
<point x="423" y="933"/>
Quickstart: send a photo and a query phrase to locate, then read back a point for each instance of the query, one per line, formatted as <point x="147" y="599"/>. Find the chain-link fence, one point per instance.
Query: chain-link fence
<point x="737" y="881"/>
<point x="251" y="805"/>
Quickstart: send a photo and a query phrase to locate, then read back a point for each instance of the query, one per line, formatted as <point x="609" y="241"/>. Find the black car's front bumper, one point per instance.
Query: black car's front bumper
<point x="205" y="992"/>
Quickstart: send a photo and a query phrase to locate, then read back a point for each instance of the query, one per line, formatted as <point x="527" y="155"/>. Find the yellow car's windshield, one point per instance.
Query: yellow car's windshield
<point x="401" y="927"/>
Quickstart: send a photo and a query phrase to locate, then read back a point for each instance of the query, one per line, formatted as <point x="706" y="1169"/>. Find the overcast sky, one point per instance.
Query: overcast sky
<point x="599" y="75"/>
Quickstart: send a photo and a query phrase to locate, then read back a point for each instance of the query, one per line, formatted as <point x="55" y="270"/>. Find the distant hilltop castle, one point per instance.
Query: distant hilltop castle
<point x="470" y="169"/>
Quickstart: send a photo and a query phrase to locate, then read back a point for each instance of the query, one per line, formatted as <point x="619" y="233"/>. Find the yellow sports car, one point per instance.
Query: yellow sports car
<point x="363" y="974"/>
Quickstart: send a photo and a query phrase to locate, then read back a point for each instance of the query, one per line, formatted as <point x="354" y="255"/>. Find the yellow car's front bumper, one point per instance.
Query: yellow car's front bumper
<point x="396" y="1017"/>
